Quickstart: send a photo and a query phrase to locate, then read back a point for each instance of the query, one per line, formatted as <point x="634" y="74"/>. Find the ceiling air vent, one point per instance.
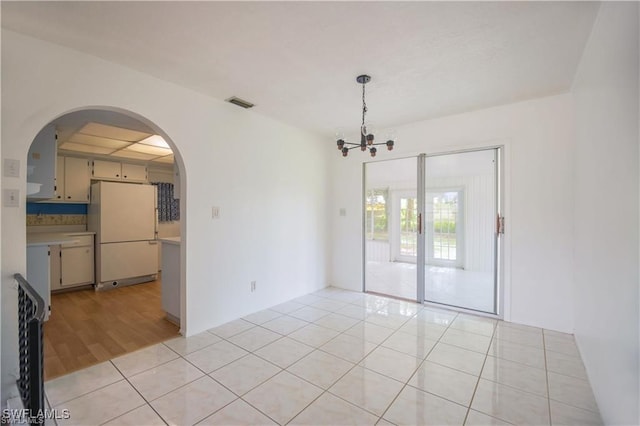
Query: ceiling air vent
<point x="240" y="102"/>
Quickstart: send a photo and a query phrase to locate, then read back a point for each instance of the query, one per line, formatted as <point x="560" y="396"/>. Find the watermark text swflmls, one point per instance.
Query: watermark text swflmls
<point x="24" y="416"/>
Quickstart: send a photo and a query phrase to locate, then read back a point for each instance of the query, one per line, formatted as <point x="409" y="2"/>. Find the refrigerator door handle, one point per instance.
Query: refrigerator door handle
<point x="153" y="242"/>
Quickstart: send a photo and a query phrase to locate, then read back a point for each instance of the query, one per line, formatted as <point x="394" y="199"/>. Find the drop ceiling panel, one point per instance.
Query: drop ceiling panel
<point x="133" y="155"/>
<point x="167" y="159"/>
<point x="148" y="149"/>
<point x="155" y="140"/>
<point x="112" y="132"/>
<point x="89" y="149"/>
<point x="98" y="141"/>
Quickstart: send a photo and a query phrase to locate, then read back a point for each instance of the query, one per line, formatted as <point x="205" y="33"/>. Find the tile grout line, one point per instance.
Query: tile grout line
<point x="546" y="375"/>
<point x="352" y="368"/>
<point x="475" y="389"/>
<point x="286" y="369"/>
<point x="420" y="365"/>
<point x="357" y="364"/>
<point x="141" y="396"/>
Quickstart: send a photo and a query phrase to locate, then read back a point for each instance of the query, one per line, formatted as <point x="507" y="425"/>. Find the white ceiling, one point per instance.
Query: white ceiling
<point x="297" y="61"/>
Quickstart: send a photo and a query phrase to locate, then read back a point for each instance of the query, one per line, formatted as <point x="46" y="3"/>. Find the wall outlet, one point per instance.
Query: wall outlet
<point x="343" y="211"/>
<point x="253" y="286"/>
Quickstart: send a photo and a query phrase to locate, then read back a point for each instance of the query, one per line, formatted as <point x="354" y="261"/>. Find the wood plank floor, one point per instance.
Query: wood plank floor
<point x="86" y="327"/>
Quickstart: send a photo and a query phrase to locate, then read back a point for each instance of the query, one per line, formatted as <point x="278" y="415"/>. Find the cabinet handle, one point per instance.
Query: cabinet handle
<point x="69" y="197"/>
<point x="125" y="176"/>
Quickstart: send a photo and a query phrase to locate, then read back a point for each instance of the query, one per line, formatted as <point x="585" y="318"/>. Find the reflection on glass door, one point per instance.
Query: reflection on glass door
<point x="445" y="228"/>
<point x="405" y="247"/>
<point x="461" y="201"/>
<point x="391" y="223"/>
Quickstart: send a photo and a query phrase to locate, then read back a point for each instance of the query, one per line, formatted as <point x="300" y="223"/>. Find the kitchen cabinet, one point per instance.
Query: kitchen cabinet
<point x="72" y="263"/>
<point x="41" y="165"/>
<point x="111" y="170"/>
<point x="171" y="278"/>
<point x="38" y="274"/>
<point x="134" y="172"/>
<point x="72" y="180"/>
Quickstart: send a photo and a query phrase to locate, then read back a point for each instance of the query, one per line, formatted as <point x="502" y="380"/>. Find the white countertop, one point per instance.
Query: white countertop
<point x="170" y="240"/>
<point x="53" y="238"/>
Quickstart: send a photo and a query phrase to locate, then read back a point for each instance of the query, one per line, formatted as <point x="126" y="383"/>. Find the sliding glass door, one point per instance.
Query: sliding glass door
<point x="461" y="208"/>
<point x="431" y="229"/>
<point x="390" y="228"/>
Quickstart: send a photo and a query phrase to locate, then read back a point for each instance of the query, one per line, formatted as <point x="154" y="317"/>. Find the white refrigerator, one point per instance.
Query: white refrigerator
<point x="123" y="216"/>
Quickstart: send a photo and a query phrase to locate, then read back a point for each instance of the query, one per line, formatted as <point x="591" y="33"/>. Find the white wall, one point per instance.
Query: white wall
<point x="538" y="136"/>
<point x="267" y="178"/>
<point x="606" y="212"/>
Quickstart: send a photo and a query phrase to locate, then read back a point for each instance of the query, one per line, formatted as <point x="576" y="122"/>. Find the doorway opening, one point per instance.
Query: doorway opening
<point x="431" y="229"/>
<point x="104" y="188"/>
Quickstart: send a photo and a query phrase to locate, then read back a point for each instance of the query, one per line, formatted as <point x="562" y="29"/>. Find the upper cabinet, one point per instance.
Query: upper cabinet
<point x="111" y="170"/>
<point x="73" y="180"/>
<point x="108" y="170"/>
<point x="134" y="172"/>
<point x="76" y="179"/>
<point x="41" y="165"/>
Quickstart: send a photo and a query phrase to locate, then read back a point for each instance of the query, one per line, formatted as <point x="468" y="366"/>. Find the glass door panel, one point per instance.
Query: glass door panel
<point x="461" y="196"/>
<point x="390" y="227"/>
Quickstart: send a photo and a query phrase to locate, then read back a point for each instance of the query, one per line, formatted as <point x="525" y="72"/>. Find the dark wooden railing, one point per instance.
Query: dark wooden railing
<point x="31" y="310"/>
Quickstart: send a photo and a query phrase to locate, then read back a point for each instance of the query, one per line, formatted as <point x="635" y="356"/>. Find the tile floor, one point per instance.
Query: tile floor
<point x="336" y="357"/>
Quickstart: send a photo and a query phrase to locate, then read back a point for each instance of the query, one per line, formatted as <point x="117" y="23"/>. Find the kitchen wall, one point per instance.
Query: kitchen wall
<point x="538" y="136"/>
<point x="605" y="215"/>
<point x="268" y="179"/>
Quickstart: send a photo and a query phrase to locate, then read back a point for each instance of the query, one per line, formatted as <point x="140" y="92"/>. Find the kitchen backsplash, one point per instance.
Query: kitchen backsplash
<point x="56" y="219"/>
<point x="52" y="214"/>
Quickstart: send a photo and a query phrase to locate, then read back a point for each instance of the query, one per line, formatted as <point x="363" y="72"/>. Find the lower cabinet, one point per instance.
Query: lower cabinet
<point x="72" y="264"/>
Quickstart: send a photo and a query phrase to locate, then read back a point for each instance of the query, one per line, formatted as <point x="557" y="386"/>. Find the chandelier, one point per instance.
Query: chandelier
<point x="366" y="138"/>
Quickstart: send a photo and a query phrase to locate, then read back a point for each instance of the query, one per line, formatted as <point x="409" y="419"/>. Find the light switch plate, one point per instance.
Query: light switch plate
<point x="215" y="212"/>
<point x="343" y="211"/>
<point x="11" y="167"/>
<point x="11" y="197"/>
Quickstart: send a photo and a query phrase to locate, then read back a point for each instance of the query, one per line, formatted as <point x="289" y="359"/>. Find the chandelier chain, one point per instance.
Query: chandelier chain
<point x="364" y="105"/>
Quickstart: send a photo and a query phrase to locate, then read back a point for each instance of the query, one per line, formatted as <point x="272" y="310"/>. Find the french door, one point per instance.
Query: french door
<point x="431" y="228"/>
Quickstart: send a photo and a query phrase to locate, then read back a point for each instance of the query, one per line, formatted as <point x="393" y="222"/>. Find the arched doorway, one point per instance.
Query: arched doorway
<point x="95" y="314"/>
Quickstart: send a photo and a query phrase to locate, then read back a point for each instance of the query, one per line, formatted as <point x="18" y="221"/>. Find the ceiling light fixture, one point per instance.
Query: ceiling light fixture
<point x="366" y="139"/>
